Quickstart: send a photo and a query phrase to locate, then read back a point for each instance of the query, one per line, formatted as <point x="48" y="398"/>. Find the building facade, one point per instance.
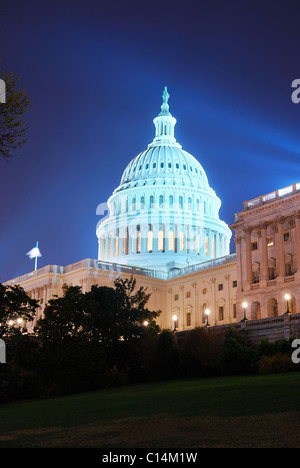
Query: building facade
<point x="164" y="229"/>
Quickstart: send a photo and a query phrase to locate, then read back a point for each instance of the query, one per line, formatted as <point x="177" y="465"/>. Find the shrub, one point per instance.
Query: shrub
<point x="275" y="364"/>
<point x="236" y="357"/>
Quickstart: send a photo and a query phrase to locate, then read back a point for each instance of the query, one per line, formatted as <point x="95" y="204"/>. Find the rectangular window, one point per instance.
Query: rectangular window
<point x="254" y="246"/>
<point x="270" y="241"/>
<point x="188" y="294"/>
<point x="271" y="273"/>
<point x="286" y="237"/>
<point x="221" y="313"/>
<point x="176" y="297"/>
<point x="139" y="241"/>
<point x="255" y="277"/>
<point x="220" y="287"/>
<point x="188" y="319"/>
<point x="150" y="240"/>
<point x="234" y="284"/>
<point x="288" y="269"/>
<point x="171" y="240"/>
<point x="161" y="240"/>
<point x="234" y="310"/>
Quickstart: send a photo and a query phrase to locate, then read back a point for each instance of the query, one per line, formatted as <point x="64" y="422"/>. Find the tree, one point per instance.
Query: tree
<point x="15" y="306"/>
<point x="12" y="124"/>
<point x="87" y="340"/>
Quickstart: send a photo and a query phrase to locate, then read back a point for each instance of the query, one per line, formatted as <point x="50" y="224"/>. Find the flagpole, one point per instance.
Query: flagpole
<point x="37" y="244"/>
<point x="35" y="253"/>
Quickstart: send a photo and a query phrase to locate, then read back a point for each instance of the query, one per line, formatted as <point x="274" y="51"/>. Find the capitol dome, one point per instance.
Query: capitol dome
<point x="163" y="214"/>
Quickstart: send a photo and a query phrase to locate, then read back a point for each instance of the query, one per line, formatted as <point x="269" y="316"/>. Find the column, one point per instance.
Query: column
<point x="264" y="253"/>
<point x="113" y="243"/>
<point x="247" y="232"/>
<point x="166" y="235"/>
<point x="297" y="232"/>
<point x="106" y="246"/>
<point x="120" y="246"/>
<point x="155" y="229"/>
<point x="217" y="245"/>
<point x="239" y="268"/>
<point x="144" y="239"/>
<point x="209" y="244"/>
<point x="281" y="253"/>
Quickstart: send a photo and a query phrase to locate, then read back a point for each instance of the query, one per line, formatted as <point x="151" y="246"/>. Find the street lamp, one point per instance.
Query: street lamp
<point x="146" y="323"/>
<point x="245" y="305"/>
<point x="175" y="322"/>
<point x="207" y="312"/>
<point x="287" y="298"/>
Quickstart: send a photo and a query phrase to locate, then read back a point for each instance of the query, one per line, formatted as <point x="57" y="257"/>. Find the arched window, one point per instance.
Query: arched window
<point x="142" y="207"/>
<point x="161" y="201"/>
<point x="151" y="202"/>
<point x="189" y="203"/>
<point x="171" y="201"/>
<point x="171" y="240"/>
<point x="181" y="203"/>
<point x="133" y="204"/>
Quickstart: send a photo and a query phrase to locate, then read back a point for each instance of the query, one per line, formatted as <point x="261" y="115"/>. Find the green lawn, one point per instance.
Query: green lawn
<point x="251" y="411"/>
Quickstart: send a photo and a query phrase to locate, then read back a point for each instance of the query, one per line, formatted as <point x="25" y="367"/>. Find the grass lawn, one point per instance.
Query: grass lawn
<point x="251" y="411"/>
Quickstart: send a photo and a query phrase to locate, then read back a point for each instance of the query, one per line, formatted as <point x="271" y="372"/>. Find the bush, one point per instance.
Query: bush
<point x="236" y="357"/>
<point x="200" y="352"/>
<point x="277" y="363"/>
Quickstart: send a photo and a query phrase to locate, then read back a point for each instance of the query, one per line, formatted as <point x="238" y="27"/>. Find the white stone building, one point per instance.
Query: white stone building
<point x="164" y="228"/>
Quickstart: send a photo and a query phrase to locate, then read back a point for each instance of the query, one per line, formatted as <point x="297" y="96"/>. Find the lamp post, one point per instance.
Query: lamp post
<point x="287" y="298"/>
<point x="207" y="312"/>
<point x="245" y="305"/>
<point x="175" y="322"/>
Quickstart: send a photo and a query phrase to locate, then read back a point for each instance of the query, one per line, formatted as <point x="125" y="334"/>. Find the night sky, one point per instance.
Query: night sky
<point x="95" y="71"/>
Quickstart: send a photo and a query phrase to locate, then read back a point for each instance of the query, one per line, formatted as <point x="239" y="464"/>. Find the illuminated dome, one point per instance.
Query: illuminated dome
<point x="164" y="214"/>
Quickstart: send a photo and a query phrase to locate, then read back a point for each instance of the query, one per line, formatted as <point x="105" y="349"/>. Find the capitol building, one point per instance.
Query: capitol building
<point x="163" y="227"/>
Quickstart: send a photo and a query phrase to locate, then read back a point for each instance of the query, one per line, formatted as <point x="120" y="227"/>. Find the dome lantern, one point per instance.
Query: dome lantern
<point x="164" y="124"/>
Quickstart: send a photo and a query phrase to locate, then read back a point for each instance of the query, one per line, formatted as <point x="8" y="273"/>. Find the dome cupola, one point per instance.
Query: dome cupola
<point x="163" y="214"/>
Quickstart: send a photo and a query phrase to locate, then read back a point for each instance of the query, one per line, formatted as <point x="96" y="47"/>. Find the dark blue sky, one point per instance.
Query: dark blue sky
<point x="95" y="71"/>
